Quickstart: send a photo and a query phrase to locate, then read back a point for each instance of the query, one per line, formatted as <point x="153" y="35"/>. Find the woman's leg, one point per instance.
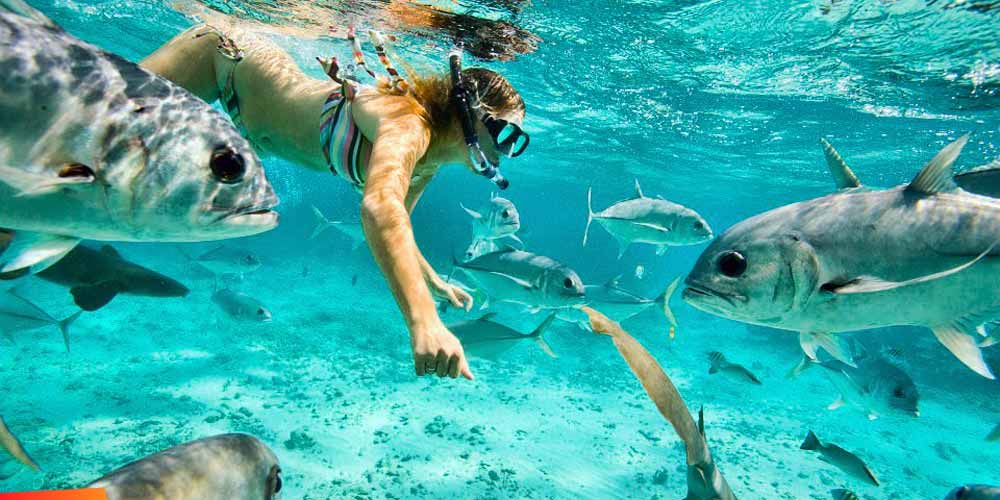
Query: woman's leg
<point x="188" y="60"/>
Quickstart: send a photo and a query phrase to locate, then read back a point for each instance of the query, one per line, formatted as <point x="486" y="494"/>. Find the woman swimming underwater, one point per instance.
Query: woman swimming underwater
<point x="388" y="141"/>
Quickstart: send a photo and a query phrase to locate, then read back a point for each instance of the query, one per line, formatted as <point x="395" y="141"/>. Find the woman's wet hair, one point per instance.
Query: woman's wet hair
<point x="491" y="91"/>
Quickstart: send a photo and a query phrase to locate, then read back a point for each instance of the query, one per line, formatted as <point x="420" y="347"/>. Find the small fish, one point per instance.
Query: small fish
<point x="224" y="467"/>
<point x="620" y="304"/>
<point x="874" y="386"/>
<point x="19" y="314"/>
<point x="649" y="220"/>
<point x="498" y="220"/>
<point x="520" y="277"/>
<point x="840" y="458"/>
<point x="305" y="270"/>
<point x="96" y="276"/>
<point x="974" y="492"/>
<point x="485" y="338"/>
<point x="736" y="371"/>
<point x="994" y="435"/>
<point x="842" y="494"/>
<point x="639" y="272"/>
<point x="352" y="230"/>
<point x="12" y="446"/>
<point x="94" y="147"/>
<point x="704" y="480"/>
<point x="226" y="260"/>
<point x="241" y="306"/>
<point x="808" y="267"/>
<point x="354" y="280"/>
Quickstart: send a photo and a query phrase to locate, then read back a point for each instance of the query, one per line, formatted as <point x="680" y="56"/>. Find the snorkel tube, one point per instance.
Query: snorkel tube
<point x="480" y="162"/>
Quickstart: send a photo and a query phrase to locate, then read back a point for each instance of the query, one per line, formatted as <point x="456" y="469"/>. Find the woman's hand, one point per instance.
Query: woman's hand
<point x="437" y="350"/>
<point x="454" y="294"/>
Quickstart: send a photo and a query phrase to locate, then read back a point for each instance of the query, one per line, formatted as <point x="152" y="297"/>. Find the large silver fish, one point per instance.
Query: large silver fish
<point x="734" y="370"/>
<point x="923" y="254"/>
<point x="873" y="386"/>
<point x="620" y="304"/>
<point x="840" y="458"/>
<point x="649" y="220"/>
<point x="974" y="492"/>
<point x="485" y="338"/>
<point x="520" y="277"/>
<point x="92" y="146"/>
<point x="499" y="219"/>
<point x="225" y="467"/>
<point x="19" y="314"/>
<point x="13" y="447"/>
<point x="241" y="306"/>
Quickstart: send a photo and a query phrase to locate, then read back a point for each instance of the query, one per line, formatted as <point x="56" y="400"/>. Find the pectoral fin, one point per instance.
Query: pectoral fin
<point x="959" y="339"/>
<point x="837" y="347"/>
<point x="94" y="297"/>
<point x="32" y="184"/>
<point x="36" y="251"/>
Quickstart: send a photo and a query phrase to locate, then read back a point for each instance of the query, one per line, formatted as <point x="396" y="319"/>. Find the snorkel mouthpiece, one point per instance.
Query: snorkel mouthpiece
<point x="481" y="163"/>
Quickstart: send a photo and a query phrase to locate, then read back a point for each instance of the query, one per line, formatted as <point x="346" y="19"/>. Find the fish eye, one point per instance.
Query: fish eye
<point x="274" y="481"/>
<point x="505" y="214"/>
<point x="698" y="225"/>
<point x="261" y="312"/>
<point x="227" y="166"/>
<point x="732" y="264"/>
<point x="568" y="283"/>
<point x="898" y="392"/>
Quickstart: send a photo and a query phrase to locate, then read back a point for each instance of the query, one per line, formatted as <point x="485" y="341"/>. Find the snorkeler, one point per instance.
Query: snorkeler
<point x="387" y="140"/>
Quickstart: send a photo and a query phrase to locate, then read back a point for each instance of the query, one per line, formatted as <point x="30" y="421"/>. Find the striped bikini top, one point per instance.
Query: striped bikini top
<point x="345" y="148"/>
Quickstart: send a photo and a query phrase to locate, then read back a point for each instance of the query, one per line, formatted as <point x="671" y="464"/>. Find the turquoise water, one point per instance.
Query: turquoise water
<point x="717" y="105"/>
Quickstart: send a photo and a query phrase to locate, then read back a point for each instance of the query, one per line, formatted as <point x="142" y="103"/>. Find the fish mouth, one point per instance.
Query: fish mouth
<point x="255" y="215"/>
<point x="700" y="294"/>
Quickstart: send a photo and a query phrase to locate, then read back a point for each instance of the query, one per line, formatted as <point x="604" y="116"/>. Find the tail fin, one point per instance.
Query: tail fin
<point x="717" y="358"/>
<point x="811" y="442"/>
<point x="537" y="336"/>
<point x="590" y="215"/>
<point x="804" y="364"/>
<point x="64" y="327"/>
<point x="664" y="301"/>
<point x="322" y="223"/>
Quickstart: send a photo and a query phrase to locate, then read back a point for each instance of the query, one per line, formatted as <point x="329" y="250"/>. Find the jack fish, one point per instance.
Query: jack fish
<point x="485" y="338"/>
<point x="10" y="444"/>
<point x="974" y="492"/>
<point x="524" y="278"/>
<point x="839" y="458"/>
<point x="94" y="147"/>
<point x="352" y="230"/>
<point x="497" y="221"/>
<point x="920" y="254"/>
<point x="19" y="314"/>
<point x="737" y="371"/>
<point x="649" y="220"/>
<point x="241" y="306"/>
<point x="873" y="386"/>
<point x="704" y="480"/>
<point x="225" y="467"/>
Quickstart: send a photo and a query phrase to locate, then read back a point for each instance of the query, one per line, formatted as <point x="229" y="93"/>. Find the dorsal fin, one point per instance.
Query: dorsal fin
<point x="475" y="215"/>
<point x="110" y="251"/>
<point x="638" y="190"/>
<point x="487" y="317"/>
<point x="842" y="174"/>
<point x="937" y="176"/>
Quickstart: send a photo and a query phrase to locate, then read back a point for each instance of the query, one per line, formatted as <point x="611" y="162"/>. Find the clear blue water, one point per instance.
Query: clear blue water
<point x="717" y="105"/>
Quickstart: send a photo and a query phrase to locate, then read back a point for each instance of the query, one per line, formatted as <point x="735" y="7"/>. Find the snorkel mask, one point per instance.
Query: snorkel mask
<point x="508" y="138"/>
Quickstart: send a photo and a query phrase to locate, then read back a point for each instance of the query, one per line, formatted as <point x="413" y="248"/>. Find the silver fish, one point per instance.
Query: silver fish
<point x="840" y="458"/>
<point x="92" y="146"/>
<point x="620" y="304"/>
<point x="497" y="220"/>
<point x="485" y="338"/>
<point x="737" y="371"/>
<point x="225" y="259"/>
<point x="352" y="230"/>
<point x="874" y="386"/>
<point x="535" y="281"/>
<point x="10" y="444"/>
<point x="994" y="435"/>
<point x="649" y="220"/>
<point x="974" y="492"/>
<point x="224" y="467"/>
<point x="920" y="254"/>
<point x="480" y="247"/>
<point x="241" y="306"/>
<point x="20" y="314"/>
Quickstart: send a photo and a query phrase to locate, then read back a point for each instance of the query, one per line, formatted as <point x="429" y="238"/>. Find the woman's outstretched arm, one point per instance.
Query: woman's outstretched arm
<point x="402" y="137"/>
<point x="188" y="60"/>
